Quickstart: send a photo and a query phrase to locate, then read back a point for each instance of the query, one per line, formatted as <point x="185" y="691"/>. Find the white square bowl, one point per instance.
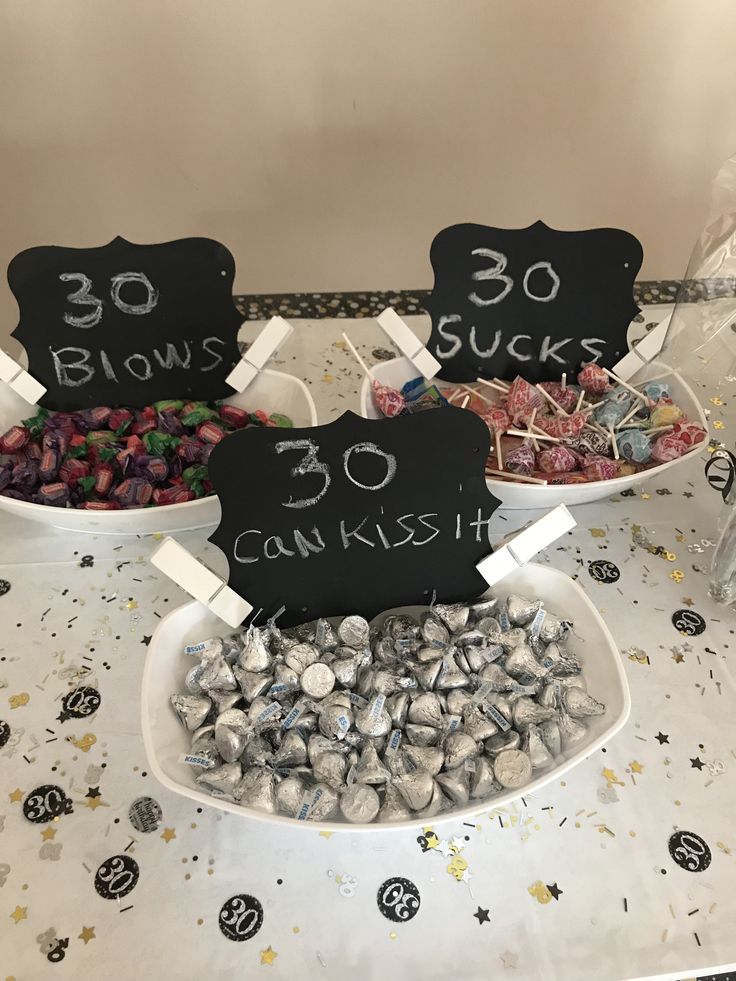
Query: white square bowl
<point x="272" y="391"/>
<point x="517" y="496"/>
<point x="165" y="739"/>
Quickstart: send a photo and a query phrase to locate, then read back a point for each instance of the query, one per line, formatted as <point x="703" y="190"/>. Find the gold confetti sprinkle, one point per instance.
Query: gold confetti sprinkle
<point x="168" y="834"/>
<point x="677" y="575"/>
<point x="94" y="802"/>
<point x="85" y="744"/>
<point x="724" y="848"/>
<point x="327" y="378"/>
<point x="457" y="867"/>
<point x="540" y="892"/>
<point x="48" y="834"/>
<point x="16" y="795"/>
<point x="131" y="605"/>
<point x="677" y="657"/>
<point x="87" y="934"/>
<point x="611" y="779"/>
<point x="295" y="929"/>
<point x="636" y="767"/>
<point x="719" y="425"/>
<point x="597" y="532"/>
<point x="268" y="956"/>
<point x="645" y="497"/>
<point x="326" y="834"/>
<point x="19" y="913"/>
<point x="16" y="701"/>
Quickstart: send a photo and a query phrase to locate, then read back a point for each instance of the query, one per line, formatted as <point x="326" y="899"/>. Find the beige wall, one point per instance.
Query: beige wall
<point x="326" y="141"/>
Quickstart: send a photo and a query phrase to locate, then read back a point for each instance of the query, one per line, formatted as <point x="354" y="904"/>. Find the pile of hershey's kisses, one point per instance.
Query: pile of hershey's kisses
<point x="408" y="717"/>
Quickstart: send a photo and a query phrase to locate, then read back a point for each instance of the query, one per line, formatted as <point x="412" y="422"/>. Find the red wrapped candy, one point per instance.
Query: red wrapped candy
<point x="14" y="440"/>
<point x="177" y="494"/>
<point x="566" y="398"/>
<point x="563" y="427"/>
<point x="599" y="467"/>
<point x="522" y="400"/>
<point x="71" y="470"/>
<point x="557" y="459"/>
<point x="55" y="495"/>
<point x="389" y="401"/>
<point x="210" y="432"/>
<point x="103" y="475"/>
<point x="593" y="379"/>
<point x="234" y="415"/>
<point x="101" y="506"/>
<point x="497" y="419"/>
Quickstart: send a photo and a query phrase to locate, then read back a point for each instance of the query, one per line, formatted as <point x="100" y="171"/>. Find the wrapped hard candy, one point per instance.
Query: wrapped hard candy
<point x="566" y="397"/>
<point x="599" y="468"/>
<point x="656" y="390"/>
<point x="389" y="401"/>
<point x="521" y="460"/>
<point x="563" y="427"/>
<point x="522" y="399"/>
<point x="664" y="413"/>
<point x="556" y="459"/>
<point x="593" y="379"/>
<point x="590" y="442"/>
<point x="497" y="419"/>
<point x="634" y="445"/>
<point x="672" y="445"/>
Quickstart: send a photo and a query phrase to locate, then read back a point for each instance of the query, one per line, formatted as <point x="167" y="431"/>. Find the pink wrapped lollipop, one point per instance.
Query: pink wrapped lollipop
<point x="566" y="398"/>
<point x="563" y="427"/>
<point x="521" y="460"/>
<point x="522" y="400"/>
<point x="671" y="446"/>
<point x="593" y="379"/>
<point x="557" y="459"/>
<point x="389" y="401"/>
<point x="599" y="467"/>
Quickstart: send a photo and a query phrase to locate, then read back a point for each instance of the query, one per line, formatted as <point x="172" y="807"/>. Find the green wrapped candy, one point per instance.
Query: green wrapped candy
<point x="169" y="405"/>
<point x="199" y="415"/>
<point x="282" y="421"/>
<point x="160" y="444"/>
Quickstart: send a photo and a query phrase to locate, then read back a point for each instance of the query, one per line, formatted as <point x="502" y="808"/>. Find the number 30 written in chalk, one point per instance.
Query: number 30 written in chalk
<point x="84" y="297"/>
<point x="310" y="463"/>
<point x="497" y="273"/>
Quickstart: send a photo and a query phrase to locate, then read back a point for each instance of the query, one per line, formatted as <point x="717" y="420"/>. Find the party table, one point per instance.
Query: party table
<point x="623" y="869"/>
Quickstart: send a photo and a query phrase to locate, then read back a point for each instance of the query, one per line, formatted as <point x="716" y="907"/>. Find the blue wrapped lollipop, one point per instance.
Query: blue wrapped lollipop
<point x="656" y="390"/>
<point x="614" y="406"/>
<point x="634" y="445"/>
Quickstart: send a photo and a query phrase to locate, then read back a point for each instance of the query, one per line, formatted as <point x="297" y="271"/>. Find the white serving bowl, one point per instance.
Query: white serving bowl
<point x="272" y="391"/>
<point x="515" y="496"/>
<point x="165" y="739"/>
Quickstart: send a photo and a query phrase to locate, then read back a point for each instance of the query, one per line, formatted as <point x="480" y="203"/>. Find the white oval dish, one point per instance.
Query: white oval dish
<point x="272" y="391"/>
<point x="166" y="740"/>
<point x="515" y="496"/>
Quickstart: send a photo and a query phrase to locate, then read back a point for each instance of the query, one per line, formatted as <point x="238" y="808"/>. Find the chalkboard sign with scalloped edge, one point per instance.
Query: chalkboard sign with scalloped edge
<point x="358" y="516"/>
<point x="533" y="301"/>
<point x="127" y="324"/>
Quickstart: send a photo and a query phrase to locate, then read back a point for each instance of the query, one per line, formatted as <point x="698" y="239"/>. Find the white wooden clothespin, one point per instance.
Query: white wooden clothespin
<point x="263" y="348"/>
<point x="642" y="353"/>
<point x="526" y="544"/>
<point x="200" y="582"/>
<point x="408" y="343"/>
<point x="19" y="380"/>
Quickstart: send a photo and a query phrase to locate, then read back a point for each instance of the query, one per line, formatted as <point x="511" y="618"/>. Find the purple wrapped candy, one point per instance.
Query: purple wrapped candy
<point x="153" y="468"/>
<point x="17" y="495"/>
<point x="56" y="495"/>
<point x="168" y="422"/>
<point x="6" y="472"/>
<point x="25" y="476"/>
<point x="134" y="492"/>
<point x="520" y="460"/>
<point x="94" y="418"/>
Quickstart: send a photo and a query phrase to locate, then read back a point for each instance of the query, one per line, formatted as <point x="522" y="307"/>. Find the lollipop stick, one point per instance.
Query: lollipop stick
<point x="488" y="384"/>
<point x="502" y="383"/>
<point x="580" y="401"/>
<point x="531" y="427"/>
<point x="531" y="436"/>
<point x="472" y="391"/>
<point x="623" y="384"/>
<point x="555" y="405"/>
<point x="628" y="416"/>
<point x="564" y="381"/>
<point x="361" y="362"/>
<point x="464" y="402"/>
<point x="498" y="449"/>
<point x="612" y="437"/>
<point x="541" y="432"/>
<point x="514" y="476"/>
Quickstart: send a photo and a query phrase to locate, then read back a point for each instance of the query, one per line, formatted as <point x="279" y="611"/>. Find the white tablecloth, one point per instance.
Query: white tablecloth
<point x="576" y="882"/>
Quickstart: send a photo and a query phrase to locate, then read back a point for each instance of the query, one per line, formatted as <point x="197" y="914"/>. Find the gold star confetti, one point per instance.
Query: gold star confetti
<point x="679" y="538"/>
<point x="268" y="956"/>
<point x="131" y="605"/>
<point x="16" y="701"/>
<point x="677" y="575"/>
<point x="719" y="425"/>
<point x="94" y="802"/>
<point x="87" y="934"/>
<point x="20" y="913"/>
<point x="687" y="601"/>
<point x="677" y="657"/>
<point x="540" y="892"/>
<point x="611" y="778"/>
<point x="431" y="838"/>
<point x="326" y="834"/>
<point x="168" y="833"/>
<point x="645" y="497"/>
<point x="597" y="532"/>
<point x="48" y="834"/>
<point x="16" y="796"/>
<point x="636" y="767"/>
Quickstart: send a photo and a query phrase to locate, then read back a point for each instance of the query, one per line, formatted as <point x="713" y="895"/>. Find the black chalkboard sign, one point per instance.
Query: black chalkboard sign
<point x="357" y="516"/>
<point x="533" y="301"/>
<point x="127" y="324"/>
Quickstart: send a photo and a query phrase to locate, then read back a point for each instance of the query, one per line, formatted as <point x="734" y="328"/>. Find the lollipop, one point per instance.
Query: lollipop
<point x="563" y="427"/>
<point x="593" y="379"/>
<point x="522" y="400"/>
<point x="389" y="401"/>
